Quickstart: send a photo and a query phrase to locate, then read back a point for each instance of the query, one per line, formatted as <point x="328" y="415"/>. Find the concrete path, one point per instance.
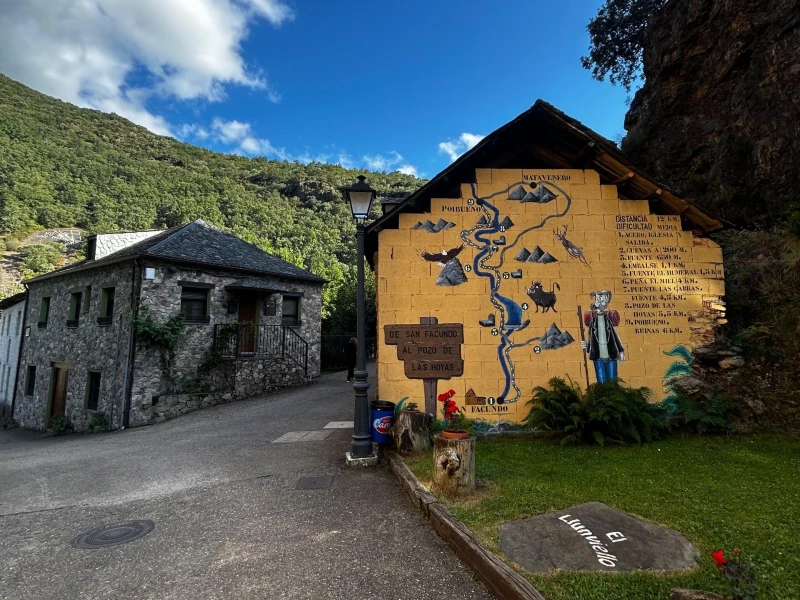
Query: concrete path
<point x="229" y="522"/>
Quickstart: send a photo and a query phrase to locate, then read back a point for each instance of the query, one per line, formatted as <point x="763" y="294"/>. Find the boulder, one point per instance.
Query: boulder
<point x="731" y="362"/>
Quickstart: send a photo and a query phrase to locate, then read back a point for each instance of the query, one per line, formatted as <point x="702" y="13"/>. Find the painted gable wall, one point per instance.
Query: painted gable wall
<point x="666" y="285"/>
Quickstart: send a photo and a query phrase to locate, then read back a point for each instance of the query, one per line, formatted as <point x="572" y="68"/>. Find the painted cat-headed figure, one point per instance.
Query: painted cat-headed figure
<point x="604" y="346"/>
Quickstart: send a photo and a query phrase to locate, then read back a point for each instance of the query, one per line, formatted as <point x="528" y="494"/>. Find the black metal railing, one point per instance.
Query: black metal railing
<point x="244" y="340"/>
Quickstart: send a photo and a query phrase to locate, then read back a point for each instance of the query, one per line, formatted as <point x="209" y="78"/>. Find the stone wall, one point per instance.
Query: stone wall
<point x="252" y="378"/>
<point x="666" y="285"/>
<point x="87" y="347"/>
<point x="160" y="297"/>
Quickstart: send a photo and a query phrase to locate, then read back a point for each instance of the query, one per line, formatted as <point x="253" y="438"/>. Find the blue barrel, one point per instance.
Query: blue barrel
<point x="381" y="417"/>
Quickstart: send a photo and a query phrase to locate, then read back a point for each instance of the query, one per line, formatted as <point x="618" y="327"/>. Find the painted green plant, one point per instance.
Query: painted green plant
<point x="675" y="371"/>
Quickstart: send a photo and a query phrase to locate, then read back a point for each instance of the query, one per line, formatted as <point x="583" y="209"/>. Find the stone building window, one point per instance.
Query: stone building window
<point x="87" y="298"/>
<point x="30" y="380"/>
<point x="44" y="312"/>
<point x="92" y="390"/>
<point x="74" y="309"/>
<point x="194" y="304"/>
<point x="291" y="311"/>
<point x="106" y="315"/>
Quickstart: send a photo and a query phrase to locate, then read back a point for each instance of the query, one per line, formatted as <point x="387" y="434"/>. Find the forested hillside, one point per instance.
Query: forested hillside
<point x="62" y="166"/>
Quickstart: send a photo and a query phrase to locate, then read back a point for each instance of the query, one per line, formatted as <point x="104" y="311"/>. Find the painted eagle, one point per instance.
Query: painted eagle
<point x="442" y="257"/>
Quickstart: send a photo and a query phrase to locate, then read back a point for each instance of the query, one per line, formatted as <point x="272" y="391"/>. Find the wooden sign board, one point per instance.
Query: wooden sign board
<point x="430" y="351"/>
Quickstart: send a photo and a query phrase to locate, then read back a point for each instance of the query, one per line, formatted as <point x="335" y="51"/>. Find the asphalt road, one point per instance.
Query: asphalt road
<point x="229" y="522"/>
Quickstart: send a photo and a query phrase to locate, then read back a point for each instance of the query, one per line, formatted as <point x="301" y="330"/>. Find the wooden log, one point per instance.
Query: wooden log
<point x="453" y="466"/>
<point x="411" y="432"/>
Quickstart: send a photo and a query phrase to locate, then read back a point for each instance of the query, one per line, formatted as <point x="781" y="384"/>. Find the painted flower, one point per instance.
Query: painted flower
<point x="442" y="397"/>
<point x="719" y="558"/>
<point x="451" y="393"/>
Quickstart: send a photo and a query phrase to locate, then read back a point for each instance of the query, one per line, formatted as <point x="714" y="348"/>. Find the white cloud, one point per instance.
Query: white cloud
<point x="455" y="148"/>
<point x="393" y="161"/>
<point x="409" y="170"/>
<point x="114" y="55"/>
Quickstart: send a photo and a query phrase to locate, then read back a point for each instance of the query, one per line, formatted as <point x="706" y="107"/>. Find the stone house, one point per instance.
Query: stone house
<point x="542" y="236"/>
<point x="252" y="325"/>
<point x="11" y="328"/>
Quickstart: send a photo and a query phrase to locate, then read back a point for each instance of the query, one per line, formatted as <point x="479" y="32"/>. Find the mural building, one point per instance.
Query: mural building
<point x="538" y="273"/>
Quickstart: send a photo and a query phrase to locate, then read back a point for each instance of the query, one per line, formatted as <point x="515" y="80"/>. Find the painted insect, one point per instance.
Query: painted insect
<point x="444" y="256"/>
<point x="571" y="248"/>
<point x="546" y="300"/>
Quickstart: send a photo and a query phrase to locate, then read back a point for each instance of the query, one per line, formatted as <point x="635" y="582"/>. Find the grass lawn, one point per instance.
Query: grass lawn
<point x="720" y="492"/>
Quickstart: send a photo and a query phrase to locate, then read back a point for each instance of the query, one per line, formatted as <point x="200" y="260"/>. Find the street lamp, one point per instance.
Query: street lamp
<point x="360" y="196"/>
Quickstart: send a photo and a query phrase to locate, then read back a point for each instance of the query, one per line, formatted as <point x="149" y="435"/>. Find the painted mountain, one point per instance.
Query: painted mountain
<point x="430" y="227"/>
<point x="518" y="193"/>
<point x="452" y="274"/>
<point x="506" y="222"/>
<point x="537" y="255"/>
<point x="541" y="195"/>
<point x="482" y="220"/>
<point x="522" y="255"/>
<point x="554" y="338"/>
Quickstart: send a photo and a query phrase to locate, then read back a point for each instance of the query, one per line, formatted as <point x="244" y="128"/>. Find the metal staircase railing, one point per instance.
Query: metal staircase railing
<point x="251" y="340"/>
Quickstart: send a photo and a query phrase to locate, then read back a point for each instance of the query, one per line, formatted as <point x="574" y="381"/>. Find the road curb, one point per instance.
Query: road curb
<point x="502" y="581"/>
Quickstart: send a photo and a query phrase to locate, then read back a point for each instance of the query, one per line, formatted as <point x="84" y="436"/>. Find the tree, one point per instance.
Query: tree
<point x="618" y="37"/>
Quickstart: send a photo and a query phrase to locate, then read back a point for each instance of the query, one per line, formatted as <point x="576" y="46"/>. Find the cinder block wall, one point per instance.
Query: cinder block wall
<point x="667" y="286"/>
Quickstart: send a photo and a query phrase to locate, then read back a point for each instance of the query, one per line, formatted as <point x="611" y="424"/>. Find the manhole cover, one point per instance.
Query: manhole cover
<point x="102" y="537"/>
<point x="314" y="483"/>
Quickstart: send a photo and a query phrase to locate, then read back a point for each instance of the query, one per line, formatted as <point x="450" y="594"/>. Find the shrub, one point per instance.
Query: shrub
<point x="794" y="224"/>
<point x="98" y="421"/>
<point x="701" y="416"/>
<point x="41" y="258"/>
<point x="59" y="424"/>
<point x="606" y="413"/>
<point x="12" y="244"/>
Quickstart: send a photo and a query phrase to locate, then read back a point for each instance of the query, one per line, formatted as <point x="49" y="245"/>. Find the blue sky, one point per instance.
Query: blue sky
<point x="383" y="85"/>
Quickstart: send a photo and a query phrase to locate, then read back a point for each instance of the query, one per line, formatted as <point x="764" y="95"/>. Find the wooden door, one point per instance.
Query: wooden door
<point x="58" y="403"/>
<point x="248" y="315"/>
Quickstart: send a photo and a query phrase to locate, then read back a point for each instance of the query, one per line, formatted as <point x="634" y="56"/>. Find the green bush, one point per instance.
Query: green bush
<point x="794" y="224"/>
<point x="606" y="413"/>
<point x="12" y="244"/>
<point x="59" y="424"/>
<point x="40" y="258"/>
<point x="701" y="416"/>
<point x="98" y="421"/>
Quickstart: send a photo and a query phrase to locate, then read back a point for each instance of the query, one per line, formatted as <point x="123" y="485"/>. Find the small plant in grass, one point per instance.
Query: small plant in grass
<point x="607" y="412"/>
<point x="59" y="424"/>
<point x="738" y="572"/>
<point x="98" y="422"/>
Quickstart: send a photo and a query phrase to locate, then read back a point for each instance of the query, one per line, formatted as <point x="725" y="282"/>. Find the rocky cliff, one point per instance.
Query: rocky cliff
<point x="719" y="114"/>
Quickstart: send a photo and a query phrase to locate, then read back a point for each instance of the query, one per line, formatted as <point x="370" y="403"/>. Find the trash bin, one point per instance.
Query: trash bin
<point x="381" y="417"/>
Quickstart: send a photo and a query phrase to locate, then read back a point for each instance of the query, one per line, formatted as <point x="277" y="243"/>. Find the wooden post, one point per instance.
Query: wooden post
<point x="429" y="385"/>
<point x="411" y="432"/>
<point x="454" y="466"/>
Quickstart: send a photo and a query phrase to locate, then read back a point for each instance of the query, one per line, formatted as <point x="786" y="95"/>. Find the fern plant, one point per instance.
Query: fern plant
<point x="702" y="416"/>
<point x="606" y="413"/>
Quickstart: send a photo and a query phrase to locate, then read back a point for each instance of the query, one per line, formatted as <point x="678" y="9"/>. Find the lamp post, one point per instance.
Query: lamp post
<point x="360" y="196"/>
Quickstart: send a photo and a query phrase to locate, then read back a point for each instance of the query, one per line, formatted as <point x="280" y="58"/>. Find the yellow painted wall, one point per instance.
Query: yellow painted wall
<point x="667" y="285"/>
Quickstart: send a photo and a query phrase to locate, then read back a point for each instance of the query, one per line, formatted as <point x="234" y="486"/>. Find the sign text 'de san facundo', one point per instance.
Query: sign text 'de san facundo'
<point x="428" y="351"/>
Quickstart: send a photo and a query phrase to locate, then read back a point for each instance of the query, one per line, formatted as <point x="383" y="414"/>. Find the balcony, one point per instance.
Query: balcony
<point x="250" y="340"/>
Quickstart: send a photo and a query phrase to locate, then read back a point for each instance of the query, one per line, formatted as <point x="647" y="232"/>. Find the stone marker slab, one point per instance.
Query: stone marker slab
<point x="303" y="436"/>
<point x="339" y="425"/>
<point x="594" y="537"/>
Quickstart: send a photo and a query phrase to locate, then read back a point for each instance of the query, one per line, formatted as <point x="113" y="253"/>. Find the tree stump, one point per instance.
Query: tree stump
<point x="453" y="466"/>
<point x="411" y="432"/>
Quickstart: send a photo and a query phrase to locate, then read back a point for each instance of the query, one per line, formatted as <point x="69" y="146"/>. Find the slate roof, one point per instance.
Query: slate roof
<point x="11" y="300"/>
<point x="255" y="284"/>
<point x="197" y="243"/>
